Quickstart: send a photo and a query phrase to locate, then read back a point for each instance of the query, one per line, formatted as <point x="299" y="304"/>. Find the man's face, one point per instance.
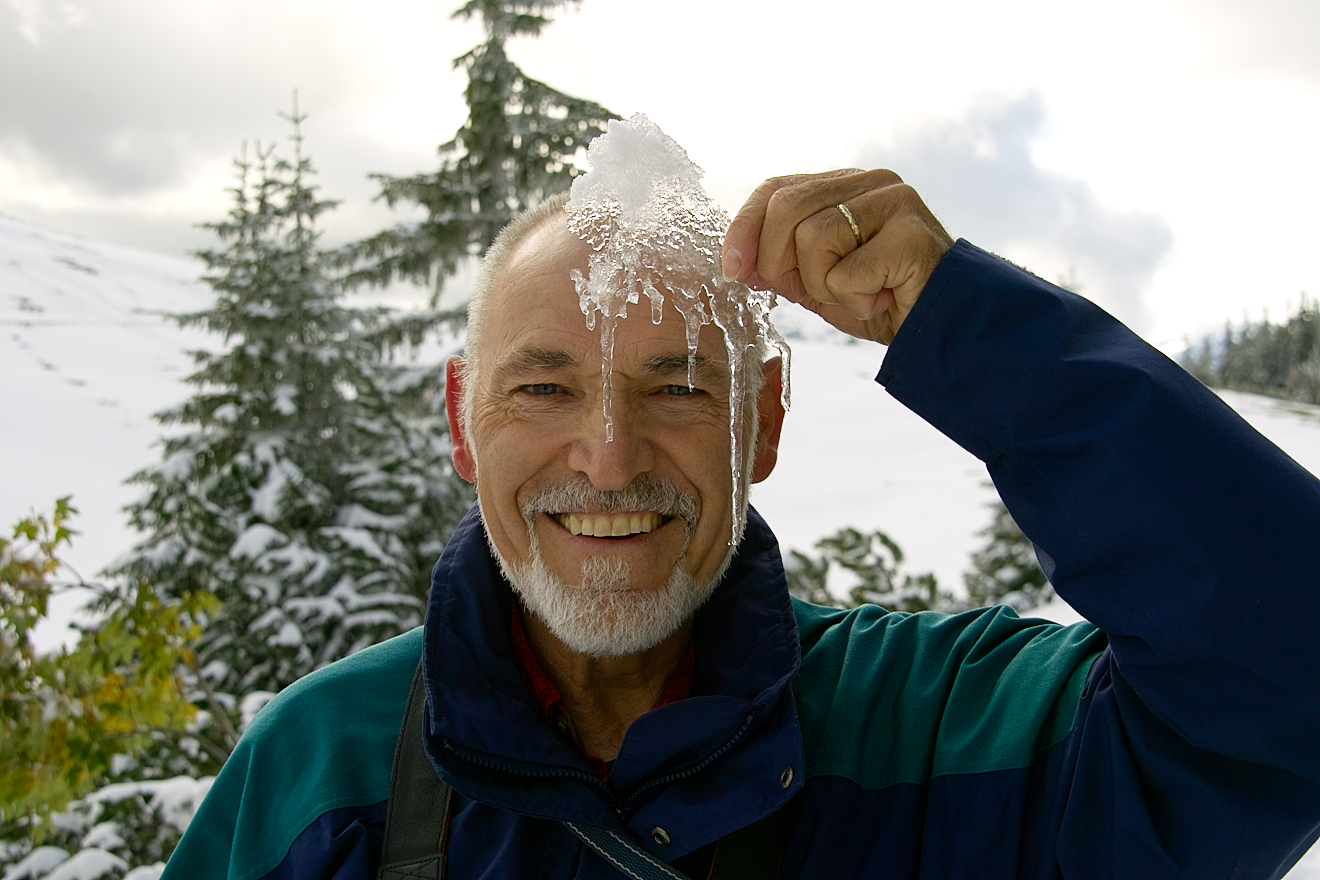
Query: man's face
<point x="537" y="424"/>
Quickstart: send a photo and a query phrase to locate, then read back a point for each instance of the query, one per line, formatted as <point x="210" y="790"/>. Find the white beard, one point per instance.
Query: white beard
<point x="601" y="616"/>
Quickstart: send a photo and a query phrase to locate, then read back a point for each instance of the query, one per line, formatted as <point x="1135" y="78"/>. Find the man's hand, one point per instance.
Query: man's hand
<point x="791" y="237"/>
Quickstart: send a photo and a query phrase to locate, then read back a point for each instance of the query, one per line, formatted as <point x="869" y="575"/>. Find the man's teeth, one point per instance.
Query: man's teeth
<point x="609" y="525"/>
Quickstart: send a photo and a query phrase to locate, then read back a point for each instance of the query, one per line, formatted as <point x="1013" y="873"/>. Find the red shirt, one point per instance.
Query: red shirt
<point x="679" y="687"/>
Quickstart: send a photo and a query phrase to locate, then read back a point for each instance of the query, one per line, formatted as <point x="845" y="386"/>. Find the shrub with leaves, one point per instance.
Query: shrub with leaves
<point x="70" y="718"/>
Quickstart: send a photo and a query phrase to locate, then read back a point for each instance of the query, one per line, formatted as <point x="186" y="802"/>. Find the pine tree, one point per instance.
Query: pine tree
<point x="1005" y="571"/>
<point x="306" y="484"/>
<point x="1281" y="360"/>
<point x="521" y="143"/>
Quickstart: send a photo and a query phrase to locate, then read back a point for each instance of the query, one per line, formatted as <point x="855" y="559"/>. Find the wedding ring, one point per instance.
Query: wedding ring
<point x="852" y="224"/>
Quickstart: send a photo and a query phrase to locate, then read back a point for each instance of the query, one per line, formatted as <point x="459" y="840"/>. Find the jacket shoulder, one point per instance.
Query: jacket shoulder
<point x="975" y="692"/>
<point x="324" y="743"/>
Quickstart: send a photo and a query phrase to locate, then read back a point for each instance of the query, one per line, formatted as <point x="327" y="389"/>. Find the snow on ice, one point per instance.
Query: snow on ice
<point x="652" y="230"/>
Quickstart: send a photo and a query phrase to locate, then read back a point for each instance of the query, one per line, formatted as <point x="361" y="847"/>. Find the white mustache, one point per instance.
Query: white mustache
<point x="643" y="493"/>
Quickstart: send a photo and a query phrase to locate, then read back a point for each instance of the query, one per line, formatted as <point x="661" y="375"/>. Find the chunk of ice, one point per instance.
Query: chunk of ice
<point x="653" y="229"/>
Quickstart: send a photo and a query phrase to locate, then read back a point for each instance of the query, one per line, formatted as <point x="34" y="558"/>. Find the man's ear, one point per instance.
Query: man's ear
<point x="464" y="461"/>
<point x="769" y="420"/>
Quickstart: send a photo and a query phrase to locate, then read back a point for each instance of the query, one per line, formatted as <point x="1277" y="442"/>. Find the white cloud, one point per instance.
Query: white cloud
<point x="36" y="18"/>
<point x="979" y="174"/>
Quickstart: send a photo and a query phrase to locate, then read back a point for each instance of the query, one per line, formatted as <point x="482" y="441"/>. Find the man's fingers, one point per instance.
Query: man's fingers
<point x="827" y="237"/>
<point x="819" y="243"/>
<point x="793" y="203"/>
<point x="888" y="271"/>
<point x="861" y="270"/>
<point x="742" y="240"/>
<point x="745" y="241"/>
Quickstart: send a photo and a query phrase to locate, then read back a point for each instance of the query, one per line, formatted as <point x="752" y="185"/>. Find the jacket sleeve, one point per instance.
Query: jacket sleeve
<point x="303" y="796"/>
<point x="1165" y="519"/>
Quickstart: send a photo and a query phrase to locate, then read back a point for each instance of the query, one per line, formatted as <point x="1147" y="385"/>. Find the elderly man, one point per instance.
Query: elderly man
<point x="610" y="689"/>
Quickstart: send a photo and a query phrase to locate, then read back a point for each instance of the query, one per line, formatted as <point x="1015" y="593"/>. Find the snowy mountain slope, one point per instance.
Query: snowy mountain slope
<point x="86" y="359"/>
<point x="852" y="455"/>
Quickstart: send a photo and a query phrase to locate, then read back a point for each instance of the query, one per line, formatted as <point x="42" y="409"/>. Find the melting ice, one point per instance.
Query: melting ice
<point x="653" y="230"/>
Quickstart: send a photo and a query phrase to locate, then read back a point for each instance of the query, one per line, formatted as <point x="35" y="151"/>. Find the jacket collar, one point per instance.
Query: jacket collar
<point x="700" y="767"/>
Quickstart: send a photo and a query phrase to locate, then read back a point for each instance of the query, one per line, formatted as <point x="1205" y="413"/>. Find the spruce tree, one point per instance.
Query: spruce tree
<point x="306" y="484"/>
<point x="1281" y="360"/>
<point x="1005" y="570"/>
<point x="521" y="143"/>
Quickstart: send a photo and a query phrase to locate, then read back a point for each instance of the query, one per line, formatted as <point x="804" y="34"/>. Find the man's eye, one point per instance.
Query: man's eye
<point x="541" y="389"/>
<point x="679" y="390"/>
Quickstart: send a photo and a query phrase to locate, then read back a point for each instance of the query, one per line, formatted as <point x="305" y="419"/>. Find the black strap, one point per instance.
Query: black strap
<point x="755" y="852"/>
<point x="417" y="819"/>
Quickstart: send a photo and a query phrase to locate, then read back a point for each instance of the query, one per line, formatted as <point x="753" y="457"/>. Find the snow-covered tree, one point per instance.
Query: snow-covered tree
<point x="1005" y="571"/>
<point x="1282" y="360"/>
<point x="307" y="483"/>
<point x="869" y="567"/>
<point x="521" y="143"/>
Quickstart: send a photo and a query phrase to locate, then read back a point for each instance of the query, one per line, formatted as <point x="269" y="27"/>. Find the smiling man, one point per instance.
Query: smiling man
<point x="610" y="687"/>
<point x="611" y="544"/>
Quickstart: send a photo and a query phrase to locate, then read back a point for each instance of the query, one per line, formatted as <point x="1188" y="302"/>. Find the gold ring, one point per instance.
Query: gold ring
<point x="852" y="224"/>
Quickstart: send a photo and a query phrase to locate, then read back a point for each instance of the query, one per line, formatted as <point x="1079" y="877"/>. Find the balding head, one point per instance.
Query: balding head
<point x="504" y="256"/>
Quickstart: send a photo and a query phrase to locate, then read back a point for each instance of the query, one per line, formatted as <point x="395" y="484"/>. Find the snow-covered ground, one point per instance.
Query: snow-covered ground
<point x="86" y="358"/>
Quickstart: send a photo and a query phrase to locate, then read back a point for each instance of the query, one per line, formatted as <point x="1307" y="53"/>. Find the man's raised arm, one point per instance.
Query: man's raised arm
<point x="1157" y="512"/>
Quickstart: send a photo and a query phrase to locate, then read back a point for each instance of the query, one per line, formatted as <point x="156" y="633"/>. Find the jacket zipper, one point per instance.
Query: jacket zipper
<point x="683" y="774"/>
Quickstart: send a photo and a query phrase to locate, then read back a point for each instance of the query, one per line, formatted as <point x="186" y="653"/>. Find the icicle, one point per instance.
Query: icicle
<point x="651" y="226"/>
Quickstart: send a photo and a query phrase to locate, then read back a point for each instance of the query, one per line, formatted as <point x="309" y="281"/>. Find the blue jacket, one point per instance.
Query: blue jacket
<point x="1179" y="739"/>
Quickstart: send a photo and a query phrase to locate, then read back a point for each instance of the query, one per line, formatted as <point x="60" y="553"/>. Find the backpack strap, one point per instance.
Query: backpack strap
<point x="417" y="819"/>
<point x="756" y="851"/>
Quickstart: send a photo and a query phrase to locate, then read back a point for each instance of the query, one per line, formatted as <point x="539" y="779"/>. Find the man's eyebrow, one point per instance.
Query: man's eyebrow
<point x="669" y="364"/>
<point x="529" y="360"/>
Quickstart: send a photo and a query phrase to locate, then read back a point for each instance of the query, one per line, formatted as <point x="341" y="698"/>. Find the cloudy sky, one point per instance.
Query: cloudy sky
<point x="1159" y="153"/>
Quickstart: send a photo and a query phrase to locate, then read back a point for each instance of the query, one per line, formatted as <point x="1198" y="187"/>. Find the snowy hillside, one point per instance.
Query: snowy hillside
<point x="85" y="359"/>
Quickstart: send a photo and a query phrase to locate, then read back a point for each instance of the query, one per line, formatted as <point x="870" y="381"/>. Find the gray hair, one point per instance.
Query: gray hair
<point x="497" y="259"/>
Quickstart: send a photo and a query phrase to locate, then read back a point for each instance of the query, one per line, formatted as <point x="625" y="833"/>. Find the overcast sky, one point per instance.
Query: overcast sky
<point x="1160" y="153"/>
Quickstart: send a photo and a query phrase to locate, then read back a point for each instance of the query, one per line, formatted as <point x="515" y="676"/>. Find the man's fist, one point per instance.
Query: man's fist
<point x="793" y="238"/>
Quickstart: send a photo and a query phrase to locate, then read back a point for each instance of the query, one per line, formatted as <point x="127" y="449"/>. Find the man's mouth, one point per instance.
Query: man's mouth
<point x="611" y="525"/>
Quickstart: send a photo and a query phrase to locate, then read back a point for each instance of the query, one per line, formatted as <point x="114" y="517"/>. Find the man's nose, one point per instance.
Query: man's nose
<point x="611" y="464"/>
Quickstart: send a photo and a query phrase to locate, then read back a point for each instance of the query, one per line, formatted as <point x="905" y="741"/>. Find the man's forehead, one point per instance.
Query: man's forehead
<point x="537" y="308"/>
<point x="550" y="251"/>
